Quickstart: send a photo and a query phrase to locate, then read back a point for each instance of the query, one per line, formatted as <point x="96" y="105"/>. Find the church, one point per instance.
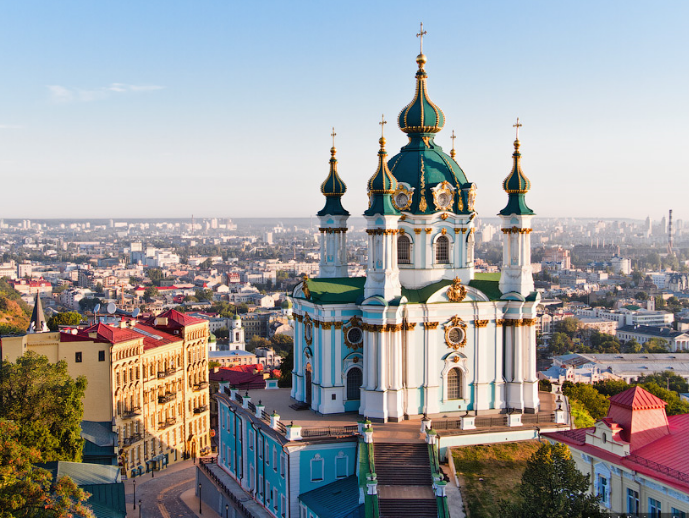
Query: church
<point x="422" y="333"/>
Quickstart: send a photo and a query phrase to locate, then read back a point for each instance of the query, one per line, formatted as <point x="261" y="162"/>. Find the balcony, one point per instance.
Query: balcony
<point x="200" y="386"/>
<point x="200" y="409"/>
<point x="167" y="423"/>
<point x="169" y="396"/>
<point x="166" y="373"/>
<point x="132" y="412"/>
<point x="132" y="439"/>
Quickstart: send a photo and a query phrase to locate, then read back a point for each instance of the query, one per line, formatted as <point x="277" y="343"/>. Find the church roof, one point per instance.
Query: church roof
<point x="381" y="186"/>
<point x="38" y="323"/>
<point x="333" y="188"/>
<point x="422" y="164"/>
<point x="516" y="185"/>
<point x="637" y="398"/>
<point x="350" y="290"/>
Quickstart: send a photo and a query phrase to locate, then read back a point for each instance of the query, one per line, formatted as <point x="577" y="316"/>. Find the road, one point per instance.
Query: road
<point x="160" y="494"/>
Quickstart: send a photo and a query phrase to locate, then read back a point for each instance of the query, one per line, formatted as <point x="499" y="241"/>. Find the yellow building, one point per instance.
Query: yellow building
<point x="148" y="377"/>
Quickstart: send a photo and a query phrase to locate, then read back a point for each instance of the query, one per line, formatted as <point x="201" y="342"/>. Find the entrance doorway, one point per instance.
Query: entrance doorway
<point x="307" y="382"/>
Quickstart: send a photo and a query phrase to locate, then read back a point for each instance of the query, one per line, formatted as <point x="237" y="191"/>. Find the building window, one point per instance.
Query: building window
<point x="676" y="513"/>
<point x="283" y="461"/>
<point x="282" y="505"/>
<point x="302" y="511"/>
<point x="251" y="440"/>
<point x="403" y="249"/>
<point x="267" y="493"/>
<point x="275" y="498"/>
<point x="317" y="467"/>
<point x="260" y="447"/>
<point x="77" y="357"/>
<point x="454" y="384"/>
<point x="341" y="465"/>
<point x="101" y="356"/>
<point x="354" y="380"/>
<point x="275" y="459"/>
<point x="442" y="250"/>
<point x="604" y="490"/>
<point x="654" y="507"/>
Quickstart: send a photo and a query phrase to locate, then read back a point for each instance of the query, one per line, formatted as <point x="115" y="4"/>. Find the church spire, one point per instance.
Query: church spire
<point x="38" y="323"/>
<point x="516" y="185"/>
<point x="333" y="187"/>
<point x="382" y="184"/>
<point x="421" y="115"/>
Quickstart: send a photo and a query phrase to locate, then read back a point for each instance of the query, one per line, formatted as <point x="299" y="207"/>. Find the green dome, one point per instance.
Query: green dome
<point x="421" y="115"/>
<point x="516" y="185"/>
<point x="381" y="187"/>
<point x="333" y="188"/>
<point x="286" y="304"/>
<point x="423" y="166"/>
<point x="236" y="317"/>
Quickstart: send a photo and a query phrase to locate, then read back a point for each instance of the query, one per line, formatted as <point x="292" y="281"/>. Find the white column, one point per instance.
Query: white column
<point x="382" y="362"/>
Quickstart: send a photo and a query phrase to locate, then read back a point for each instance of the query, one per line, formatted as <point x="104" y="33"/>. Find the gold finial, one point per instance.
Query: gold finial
<point x="452" y="152"/>
<point x="517" y="126"/>
<point x="420" y="35"/>
<point x="333" y="150"/>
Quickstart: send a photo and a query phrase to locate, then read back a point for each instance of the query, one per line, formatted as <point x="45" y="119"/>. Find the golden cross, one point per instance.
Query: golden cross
<point x="517" y="126"/>
<point x="382" y="123"/>
<point x="420" y="35"/>
<point x="333" y="134"/>
<point x="453" y="137"/>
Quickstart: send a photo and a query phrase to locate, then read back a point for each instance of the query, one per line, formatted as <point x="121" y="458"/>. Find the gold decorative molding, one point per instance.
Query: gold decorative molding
<point x="471" y="198"/>
<point x="430" y="325"/>
<point x="308" y="330"/>
<point x="339" y="230"/>
<point x="402" y="197"/>
<point x="443" y="195"/>
<point x="326" y="325"/>
<point x="517" y="230"/>
<point x="305" y="288"/>
<point x="408" y="326"/>
<point x="417" y="231"/>
<point x="299" y="317"/>
<point x="480" y="323"/>
<point x="455" y="333"/>
<point x="353" y="323"/>
<point x="338" y="325"/>
<point x="444" y="216"/>
<point x="458" y="230"/>
<point x="381" y="231"/>
<point x="428" y="230"/>
<point x="316" y="323"/>
<point x="402" y="232"/>
<point x="529" y="321"/>
<point x="499" y="321"/>
<point x="403" y="217"/>
<point x="443" y="231"/>
<point x="456" y="292"/>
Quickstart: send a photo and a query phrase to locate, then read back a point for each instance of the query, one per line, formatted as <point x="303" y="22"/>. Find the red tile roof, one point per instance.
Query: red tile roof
<point x="154" y="337"/>
<point x="637" y="398"/>
<point x="103" y="334"/>
<point x="175" y="319"/>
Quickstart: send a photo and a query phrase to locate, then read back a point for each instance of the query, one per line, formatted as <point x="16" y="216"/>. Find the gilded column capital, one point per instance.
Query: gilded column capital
<point x="480" y="323"/>
<point x="430" y="325"/>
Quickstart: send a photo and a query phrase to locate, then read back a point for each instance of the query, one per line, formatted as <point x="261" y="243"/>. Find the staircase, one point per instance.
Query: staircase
<point x="404" y="481"/>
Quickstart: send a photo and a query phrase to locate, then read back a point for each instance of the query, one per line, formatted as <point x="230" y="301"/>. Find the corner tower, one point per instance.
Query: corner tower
<point x="516" y="226"/>
<point x="333" y="218"/>
<point x="436" y="200"/>
<point x="382" y="274"/>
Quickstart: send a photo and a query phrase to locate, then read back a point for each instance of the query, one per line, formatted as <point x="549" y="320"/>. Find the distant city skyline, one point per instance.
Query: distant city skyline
<point x="225" y="109"/>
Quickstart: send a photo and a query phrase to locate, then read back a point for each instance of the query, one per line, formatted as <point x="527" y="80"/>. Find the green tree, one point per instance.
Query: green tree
<point x="68" y="318"/>
<point x="286" y="370"/>
<point x="206" y="265"/>
<point x="669" y="380"/>
<point x="27" y="491"/>
<point x="213" y="364"/>
<point x="594" y="402"/>
<point x="642" y="295"/>
<point x="89" y="304"/>
<point x="560" y="343"/>
<point x="675" y="405"/>
<point x="568" y="325"/>
<point x="204" y="294"/>
<point x="222" y="334"/>
<point x="46" y="404"/>
<point x="552" y="487"/>
<point x="257" y="341"/>
<point x="656" y="345"/>
<point x="156" y="275"/>
<point x="581" y="417"/>
<point x="282" y="343"/>
<point x="610" y="388"/>
<point x="631" y="347"/>
<point x="150" y="293"/>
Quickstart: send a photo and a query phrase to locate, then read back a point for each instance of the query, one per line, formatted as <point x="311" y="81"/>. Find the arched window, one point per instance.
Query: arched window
<point x="454" y="384"/>
<point x="354" y="380"/>
<point x="442" y="250"/>
<point x="403" y="249"/>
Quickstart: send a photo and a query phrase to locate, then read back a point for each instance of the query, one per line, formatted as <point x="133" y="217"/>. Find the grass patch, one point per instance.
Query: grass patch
<point x="489" y="473"/>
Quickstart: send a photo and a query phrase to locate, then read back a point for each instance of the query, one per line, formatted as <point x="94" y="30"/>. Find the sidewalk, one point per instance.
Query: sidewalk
<point x="192" y="502"/>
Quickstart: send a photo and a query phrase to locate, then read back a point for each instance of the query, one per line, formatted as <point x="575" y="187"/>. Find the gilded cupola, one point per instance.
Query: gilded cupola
<point x="421" y="115"/>
<point x="382" y="185"/>
<point x="516" y="185"/>
<point x="333" y="188"/>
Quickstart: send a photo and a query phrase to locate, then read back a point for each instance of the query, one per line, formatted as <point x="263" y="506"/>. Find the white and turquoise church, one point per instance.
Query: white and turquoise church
<point x="421" y="333"/>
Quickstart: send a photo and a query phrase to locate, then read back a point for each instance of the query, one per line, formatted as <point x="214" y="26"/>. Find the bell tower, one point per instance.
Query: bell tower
<point x="516" y="275"/>
<point x="333" y="218"/>
<point x="382" y="274"/>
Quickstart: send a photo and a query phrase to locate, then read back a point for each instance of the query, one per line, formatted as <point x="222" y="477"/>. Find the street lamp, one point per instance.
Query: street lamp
<point x="200" y="501"/>
<point x="134" y="493"/>
<point x="139" y="508"/>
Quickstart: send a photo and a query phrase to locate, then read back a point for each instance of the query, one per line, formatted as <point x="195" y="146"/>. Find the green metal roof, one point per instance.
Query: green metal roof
<point x="99" y="433"/>
<point x="333" y="188"/>
<point x="336" y="500"/>
<point x="421" y="115"/>
<point x="381" y="186"/>
<point x="350" y="290"/>
<point x="516" y="185"/>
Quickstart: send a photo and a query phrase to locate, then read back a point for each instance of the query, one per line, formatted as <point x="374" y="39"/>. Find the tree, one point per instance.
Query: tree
<point x="642" y="295"/>
<point x="675" y="405"/>
<point x="46" y="404"/>
<point x="150" y="293"/>
<point x="88" y="304"/>
<point x="28" y="491"/>
<point x="206" y="265"/>
<point x="631" y="346"/>
<point x="222" y="334"/>
<point x="669" y="380"/>
<point x="282" y="343"/>
<point x="560" y="343"/>
<point x="213" y="364"/>
<point x="594" y="402"/>
<point x="286" y="370"/>
<point x="656" y="345"/>
<point x="568" y="326"/>
<point x="156" y="275"/>
<point x="257" y="341"/>
<point x="67" y="318"/>
<point x="204" y="294"/>
<point x="552" y="487"/>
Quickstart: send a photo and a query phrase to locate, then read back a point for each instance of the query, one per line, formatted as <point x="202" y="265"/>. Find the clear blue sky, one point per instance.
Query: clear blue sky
<point x="224" y="108"/>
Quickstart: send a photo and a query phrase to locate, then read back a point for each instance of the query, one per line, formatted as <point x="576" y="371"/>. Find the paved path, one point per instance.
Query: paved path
<point x="161" y="494"/>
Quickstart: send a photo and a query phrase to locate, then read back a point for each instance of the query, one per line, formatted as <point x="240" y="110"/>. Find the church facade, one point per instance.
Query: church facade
<point x="422" y="333"/>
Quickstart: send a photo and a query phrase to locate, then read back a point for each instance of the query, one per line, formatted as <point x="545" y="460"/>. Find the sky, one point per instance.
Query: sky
<point x="224" y="109"/>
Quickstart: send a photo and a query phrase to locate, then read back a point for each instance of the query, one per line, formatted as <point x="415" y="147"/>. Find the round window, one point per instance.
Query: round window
<point x="402" y="199"/>
<point x="444" y="199"/>
<point x="455" y="335"/>
<point x="354" y="335"/>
